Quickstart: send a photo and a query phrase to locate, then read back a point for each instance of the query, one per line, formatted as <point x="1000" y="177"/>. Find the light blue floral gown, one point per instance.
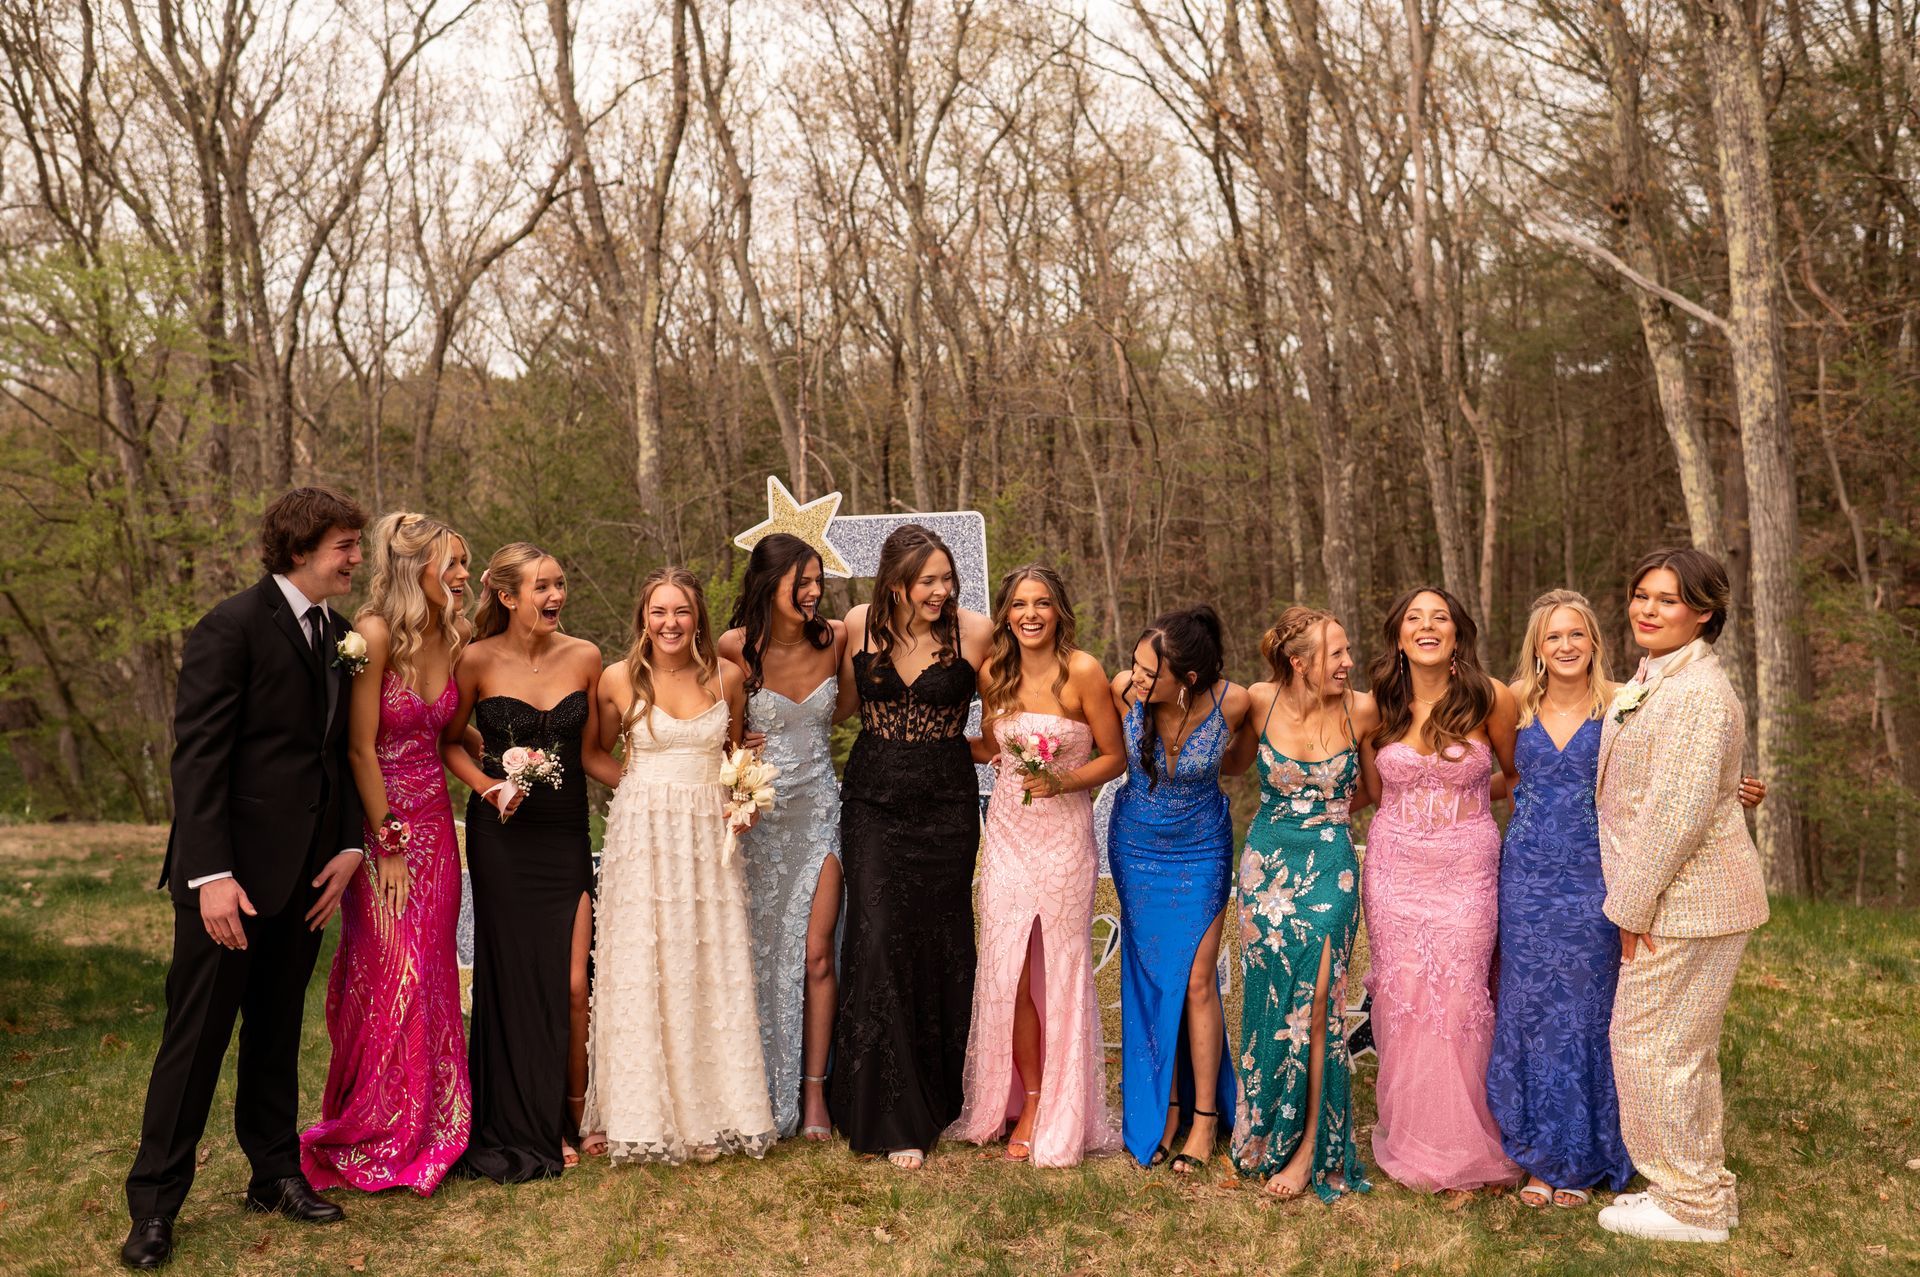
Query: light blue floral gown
<point x="784" y="854"/>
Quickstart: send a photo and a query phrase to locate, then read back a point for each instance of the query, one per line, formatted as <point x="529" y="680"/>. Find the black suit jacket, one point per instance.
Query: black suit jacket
<point x="261" y="785"/>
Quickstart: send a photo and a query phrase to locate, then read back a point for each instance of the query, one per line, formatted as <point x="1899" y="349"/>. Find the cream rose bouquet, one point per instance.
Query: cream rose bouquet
<point x="750" y="778"/>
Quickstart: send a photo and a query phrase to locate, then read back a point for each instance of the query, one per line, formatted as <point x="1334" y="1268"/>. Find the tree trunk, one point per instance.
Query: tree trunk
<point x="1732" y="58"/>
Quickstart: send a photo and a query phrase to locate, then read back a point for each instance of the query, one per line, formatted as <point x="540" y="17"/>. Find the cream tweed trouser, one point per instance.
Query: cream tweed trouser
<point x="1667" y="1016"/>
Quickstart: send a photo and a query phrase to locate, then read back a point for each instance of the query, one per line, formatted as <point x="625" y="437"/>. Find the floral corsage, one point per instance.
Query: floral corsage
<point x="350" y="653"/>
<point x="393" y="834"/>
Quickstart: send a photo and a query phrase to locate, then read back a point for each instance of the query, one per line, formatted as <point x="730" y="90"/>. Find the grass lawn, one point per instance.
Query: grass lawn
<point x="1820" y="1066"/>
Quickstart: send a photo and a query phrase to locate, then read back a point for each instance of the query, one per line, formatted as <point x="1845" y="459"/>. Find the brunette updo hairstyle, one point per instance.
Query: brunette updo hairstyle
<point x="1704" y="586"/>
<point x="1190" y="645"/>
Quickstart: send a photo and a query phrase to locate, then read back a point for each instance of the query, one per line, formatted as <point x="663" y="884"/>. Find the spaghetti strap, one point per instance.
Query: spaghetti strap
<point x="1271" y="706"/>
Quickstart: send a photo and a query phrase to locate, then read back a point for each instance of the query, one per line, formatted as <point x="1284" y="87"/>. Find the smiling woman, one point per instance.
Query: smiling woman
<point x="1684" y="886"/>
<point x="398" y="1105"/>
<point x="1429" y="885"/>
<point x="525" y="684"/>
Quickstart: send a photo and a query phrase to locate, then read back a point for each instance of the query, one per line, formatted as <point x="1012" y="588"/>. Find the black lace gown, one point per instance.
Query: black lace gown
<point x="909" y="833"/>
<point x="528" y="876"/>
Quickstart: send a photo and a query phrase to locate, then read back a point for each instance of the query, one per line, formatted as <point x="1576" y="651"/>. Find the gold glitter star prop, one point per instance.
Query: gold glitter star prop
<point x="808" y="522"/>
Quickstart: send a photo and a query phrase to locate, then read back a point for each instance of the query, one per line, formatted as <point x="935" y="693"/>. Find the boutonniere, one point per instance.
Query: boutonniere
<point x="350" y="653"/>
<point x="1628" y="699"/>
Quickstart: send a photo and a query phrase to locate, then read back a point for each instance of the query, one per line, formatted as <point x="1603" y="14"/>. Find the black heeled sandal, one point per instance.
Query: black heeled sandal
<point x="1182" y="1161"/>
<point x="1161" y="1154"/>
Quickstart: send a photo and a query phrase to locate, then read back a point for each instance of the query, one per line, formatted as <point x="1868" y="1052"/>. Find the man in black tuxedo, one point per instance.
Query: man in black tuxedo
<point x="266" y="835"/>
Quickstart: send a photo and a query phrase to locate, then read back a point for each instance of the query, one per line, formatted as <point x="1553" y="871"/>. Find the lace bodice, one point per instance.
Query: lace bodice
<point x="932" y="708"/>
<point x="1425" y="792"/>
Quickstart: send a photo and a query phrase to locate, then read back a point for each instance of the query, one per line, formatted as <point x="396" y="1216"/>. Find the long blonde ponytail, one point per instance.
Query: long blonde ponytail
<point x="405" y="546"/>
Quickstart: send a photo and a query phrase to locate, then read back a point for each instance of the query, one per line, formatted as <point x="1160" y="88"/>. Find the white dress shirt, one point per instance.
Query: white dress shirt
<point x="301" y="605"/>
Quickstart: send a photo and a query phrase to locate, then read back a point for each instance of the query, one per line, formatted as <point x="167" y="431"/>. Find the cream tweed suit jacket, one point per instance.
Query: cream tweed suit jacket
<point x="1674" y="846"/>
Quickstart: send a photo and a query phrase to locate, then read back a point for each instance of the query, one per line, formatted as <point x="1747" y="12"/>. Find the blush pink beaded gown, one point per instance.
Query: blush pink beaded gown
<point x="1430" y="886"/>
<point x="1038" y="866"/>
<point x="398" y="1106"/>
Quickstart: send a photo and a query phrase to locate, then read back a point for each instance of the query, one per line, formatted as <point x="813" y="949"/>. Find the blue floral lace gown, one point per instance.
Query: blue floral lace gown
<point x="784" y="854"/>
<point x="1299" y="893"/>
<point x="1550" y="1081"/>
<point x="1171" y="849"/>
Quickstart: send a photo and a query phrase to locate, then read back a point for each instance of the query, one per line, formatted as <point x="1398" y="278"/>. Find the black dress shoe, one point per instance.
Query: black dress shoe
<point x="294" y="1198"/>
<point x="149" y="1243"/>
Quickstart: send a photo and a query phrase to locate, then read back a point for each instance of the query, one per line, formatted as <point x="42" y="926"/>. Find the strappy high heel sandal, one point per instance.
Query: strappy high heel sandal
<point x="1026" y="1145"/>
<point x="1187" y="1163"/>
<point x="817" y="1134"/>
<point x="584" y="1144"/>
<point x="1161" y="1154"/>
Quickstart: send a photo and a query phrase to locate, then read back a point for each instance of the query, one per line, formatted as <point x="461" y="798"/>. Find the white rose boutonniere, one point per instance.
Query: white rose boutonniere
<point x="1628" y="699"/>
<point x="350" y="653"/>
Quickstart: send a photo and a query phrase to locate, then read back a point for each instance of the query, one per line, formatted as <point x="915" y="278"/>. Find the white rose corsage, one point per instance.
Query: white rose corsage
<point x="1628" y="699"/>
<point x="350" y="653"/>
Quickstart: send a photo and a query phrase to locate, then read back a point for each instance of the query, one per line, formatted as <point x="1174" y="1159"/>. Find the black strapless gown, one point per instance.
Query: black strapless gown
<point x="909" y="835"/>
<point x="528" y="877"/>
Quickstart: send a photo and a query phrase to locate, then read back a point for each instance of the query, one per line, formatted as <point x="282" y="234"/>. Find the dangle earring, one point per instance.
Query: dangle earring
<point x="1453" y="666"/>
<point x="1183" y="700"/>
<point x="1539" y="666"/>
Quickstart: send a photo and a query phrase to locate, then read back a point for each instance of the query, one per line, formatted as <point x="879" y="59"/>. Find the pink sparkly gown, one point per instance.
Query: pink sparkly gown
<point x="1038" y="865"/>
<point x="398" y="1105"/>
<point x="1430" y="885"/>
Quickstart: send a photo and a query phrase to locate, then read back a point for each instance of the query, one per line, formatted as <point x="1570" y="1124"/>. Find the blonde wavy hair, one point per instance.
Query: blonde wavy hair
<point x="640" y="655"/>
<point x="405" y="547"/>
<point x="1530" y="678"/>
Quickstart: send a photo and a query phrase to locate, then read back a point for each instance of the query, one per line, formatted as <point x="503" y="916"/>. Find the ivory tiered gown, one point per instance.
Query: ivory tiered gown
<point x="675" y="1070"/>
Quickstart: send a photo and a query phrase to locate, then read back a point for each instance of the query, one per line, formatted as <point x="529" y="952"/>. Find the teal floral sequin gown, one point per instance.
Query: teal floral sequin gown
<point x="1298" y="891"/>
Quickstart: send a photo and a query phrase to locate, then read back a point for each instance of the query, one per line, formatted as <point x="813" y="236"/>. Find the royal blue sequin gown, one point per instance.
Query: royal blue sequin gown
<point x="1171" y="848"/>
<point x="1550" y="1081"/>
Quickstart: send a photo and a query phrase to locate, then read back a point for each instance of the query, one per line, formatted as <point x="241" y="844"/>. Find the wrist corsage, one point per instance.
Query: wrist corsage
<point x="350" y="653"/>
<point x="392" y="834"/>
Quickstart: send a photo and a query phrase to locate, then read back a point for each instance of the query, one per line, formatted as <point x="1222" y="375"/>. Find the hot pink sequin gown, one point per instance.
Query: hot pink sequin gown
<point x="1430" y="885"/>
<point x="398" y="1105"/>
<point x="1038" y="864"/>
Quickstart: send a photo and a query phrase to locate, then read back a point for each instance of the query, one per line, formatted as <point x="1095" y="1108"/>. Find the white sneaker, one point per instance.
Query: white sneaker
<point x="1646" y="1218"/>
<point x="1628" y="1199"/>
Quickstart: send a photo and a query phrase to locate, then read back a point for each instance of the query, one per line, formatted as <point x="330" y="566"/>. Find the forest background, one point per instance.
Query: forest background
<point x="1245" y="301"/>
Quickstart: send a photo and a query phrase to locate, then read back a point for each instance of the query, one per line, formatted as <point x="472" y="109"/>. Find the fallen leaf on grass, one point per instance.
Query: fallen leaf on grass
<point x="91" y="1206"/>
<point x="357" y="1263"/>
<point x="1458" y="1201"/>
<point x="1877" y="1250"/>
<point x="882" y="1236"/>
<point x="1913" y="1163"/>
<point x="260" y="1247"/>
